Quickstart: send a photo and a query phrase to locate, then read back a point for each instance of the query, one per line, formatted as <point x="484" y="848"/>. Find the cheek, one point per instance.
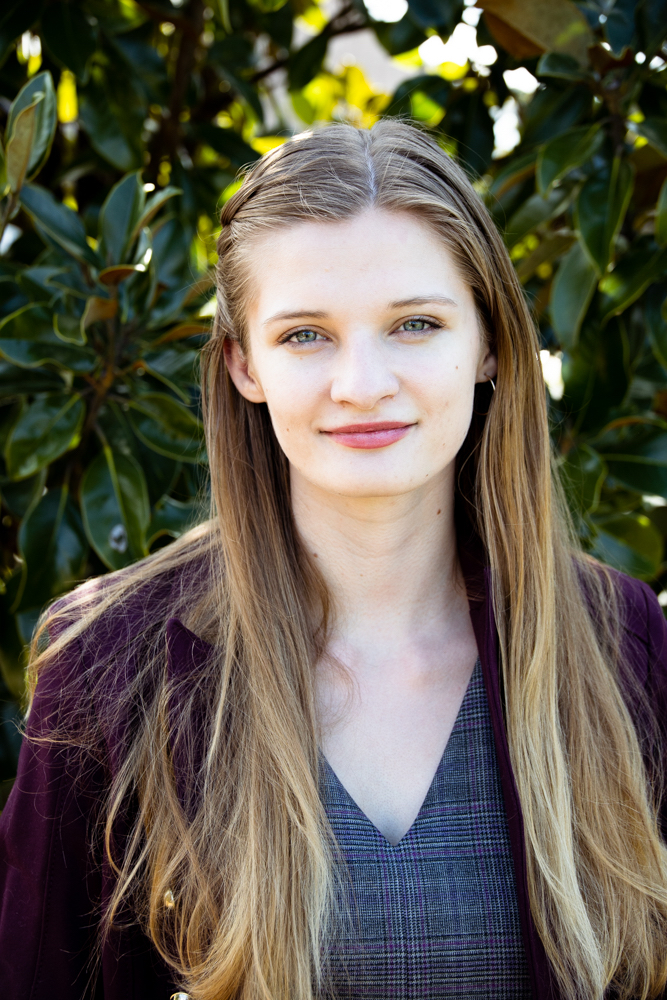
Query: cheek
<point x="292" y="396"/>
<point x="446" y="386"/>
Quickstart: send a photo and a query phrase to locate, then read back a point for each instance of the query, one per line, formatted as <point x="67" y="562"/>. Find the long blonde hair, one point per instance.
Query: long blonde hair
<point x="248" y="857"/>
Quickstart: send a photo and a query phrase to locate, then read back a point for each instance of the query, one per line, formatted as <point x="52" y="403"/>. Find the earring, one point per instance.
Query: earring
<point x="493" y="384"/>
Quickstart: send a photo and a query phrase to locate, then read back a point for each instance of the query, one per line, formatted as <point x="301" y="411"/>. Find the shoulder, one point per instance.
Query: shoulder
<point x="113" y="613"/>
<point x="641" y="614"/>
<point x="110" y="643"/>
<point x="643" y="630"/>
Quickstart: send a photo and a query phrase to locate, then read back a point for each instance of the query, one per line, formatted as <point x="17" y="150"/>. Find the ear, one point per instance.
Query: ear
<point x="487" y="367"/>
<point x="241" y="375"/>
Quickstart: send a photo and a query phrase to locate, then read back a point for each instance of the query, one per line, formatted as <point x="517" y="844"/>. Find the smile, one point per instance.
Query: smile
<point x="372" y="435"/>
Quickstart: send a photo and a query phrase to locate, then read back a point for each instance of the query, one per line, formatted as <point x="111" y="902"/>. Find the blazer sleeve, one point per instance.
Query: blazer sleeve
<point x="49" y="882"/>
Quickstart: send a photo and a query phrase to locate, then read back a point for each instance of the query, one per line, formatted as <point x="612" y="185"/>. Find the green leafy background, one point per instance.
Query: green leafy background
<point x="123" y="126"/>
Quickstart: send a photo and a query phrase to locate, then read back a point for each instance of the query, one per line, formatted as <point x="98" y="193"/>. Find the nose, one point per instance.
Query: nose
<point x="362" y="375"/>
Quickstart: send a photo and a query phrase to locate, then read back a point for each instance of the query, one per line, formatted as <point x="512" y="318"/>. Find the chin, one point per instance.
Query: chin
<point x="365" y="487"/>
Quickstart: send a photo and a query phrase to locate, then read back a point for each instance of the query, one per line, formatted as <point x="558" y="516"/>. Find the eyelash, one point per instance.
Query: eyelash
<point x="432" y="323"/>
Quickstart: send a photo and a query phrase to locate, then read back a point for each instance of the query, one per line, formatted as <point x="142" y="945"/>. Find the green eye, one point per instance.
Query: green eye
<point x="416" y="325"/>
<point x="304" y="337"/>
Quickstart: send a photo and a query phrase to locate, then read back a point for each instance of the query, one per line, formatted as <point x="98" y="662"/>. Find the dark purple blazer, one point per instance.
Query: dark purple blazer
<point x="52" y="882"/>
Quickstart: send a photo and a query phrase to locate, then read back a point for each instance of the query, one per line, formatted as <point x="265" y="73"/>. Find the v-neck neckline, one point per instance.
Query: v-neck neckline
<point x="474" y="679"/>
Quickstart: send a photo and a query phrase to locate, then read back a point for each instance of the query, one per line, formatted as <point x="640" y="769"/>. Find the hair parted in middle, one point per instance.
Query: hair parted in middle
<point x="251" y="863"/>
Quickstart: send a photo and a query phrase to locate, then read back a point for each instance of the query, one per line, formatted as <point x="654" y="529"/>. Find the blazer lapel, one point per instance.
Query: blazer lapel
<point x="478" y="584"/>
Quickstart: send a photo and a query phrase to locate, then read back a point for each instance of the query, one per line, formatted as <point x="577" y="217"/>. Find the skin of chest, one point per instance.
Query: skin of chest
<point x="386" y="723"/>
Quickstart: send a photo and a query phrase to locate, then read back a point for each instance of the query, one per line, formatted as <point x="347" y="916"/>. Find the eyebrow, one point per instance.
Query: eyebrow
<point x="422" y="300"/>
<point x="296" y="314"/>
<point x="419" y="300"/>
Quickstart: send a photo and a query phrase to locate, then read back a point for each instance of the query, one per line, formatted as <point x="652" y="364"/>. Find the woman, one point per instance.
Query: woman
<point x="377" y="729"/>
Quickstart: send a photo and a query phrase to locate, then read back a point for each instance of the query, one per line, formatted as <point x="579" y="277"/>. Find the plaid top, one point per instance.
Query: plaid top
<point x="436" y="915"/>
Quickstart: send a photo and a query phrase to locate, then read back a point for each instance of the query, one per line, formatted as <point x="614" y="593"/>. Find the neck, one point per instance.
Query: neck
<point x="390" y="563"/>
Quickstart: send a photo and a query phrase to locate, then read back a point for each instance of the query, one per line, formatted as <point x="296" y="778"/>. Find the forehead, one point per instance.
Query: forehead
<point x="370" y="259"/>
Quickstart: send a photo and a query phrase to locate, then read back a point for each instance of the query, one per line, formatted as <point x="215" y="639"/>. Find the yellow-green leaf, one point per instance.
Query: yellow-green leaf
<point x="19" y="147"/>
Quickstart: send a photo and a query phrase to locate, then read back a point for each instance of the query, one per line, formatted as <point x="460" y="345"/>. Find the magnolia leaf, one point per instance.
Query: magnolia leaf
<point x="513" y="173"/>
<point x="566" y="152"/>
<point x="12" y="645"/>
<point x="152" y="207"/>
<point x="656" y="325"/>
<point x="54" y="548"/>
<point x="552" y="246"/>
<point x="69" y="280"/>
<point x="307" y="61"/>
<point x="535" y="210"/>
<point x="173" y="517"/>
<point x="160" y="472"/>
<point x="15" y="381"/>
<point x="631" y="543"/>
<point x="45" y="119"/>
<point x="20" y="497"/>
<point x="120" y="215"/>
<point x="642" y="477"/>
<point x="508" y="38"/>
<point x="178" y="368"/>
<point x="69" y="36"/>
<point x="635" y="450"/>
<point x="34" y="281"/>
<point x="19" y="147"/>
<point x="27" y="339"/>
<point x="46" y="429"/>
<point x="631" y="276"/>
<point x="68" y="328"/>
<point x="59" y="222"/>
<point x="114" y="275"/>
<point x="108" y="134"/>
<point x="619" y="26"/>
<point x="654" y="130"/>
<point x="167" y="426"/>
<point x="661" y="216"/>
<point x="229" y="143"/>
<point x="182" y="331"/>
<point x="3" y="173"/>
<point x="114" y="504"/>
<point x="571" y="293"/>
<point x="547" y="25"/>
<point x="600" y="211"/>
<point x="98" y="309"/>
<point x="582" y="474"/>
<point x="561" y="66"/>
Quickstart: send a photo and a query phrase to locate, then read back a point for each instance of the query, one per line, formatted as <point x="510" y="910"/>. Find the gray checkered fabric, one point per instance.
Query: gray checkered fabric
<point x="436" y="915"/>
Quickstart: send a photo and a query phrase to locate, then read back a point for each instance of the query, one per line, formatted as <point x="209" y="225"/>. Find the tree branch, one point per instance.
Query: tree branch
<point x="332" y="30"/>
<point x="168" y="138"/>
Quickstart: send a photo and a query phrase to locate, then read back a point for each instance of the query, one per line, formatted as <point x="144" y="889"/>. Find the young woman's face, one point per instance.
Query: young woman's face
<point x="365" y="345"/>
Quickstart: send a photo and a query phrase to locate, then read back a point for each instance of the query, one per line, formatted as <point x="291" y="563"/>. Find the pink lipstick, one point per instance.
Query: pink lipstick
<point x="372" y="435"/>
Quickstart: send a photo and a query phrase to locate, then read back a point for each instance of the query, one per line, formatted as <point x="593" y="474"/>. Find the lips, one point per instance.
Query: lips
<point x="378" y="434"/>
